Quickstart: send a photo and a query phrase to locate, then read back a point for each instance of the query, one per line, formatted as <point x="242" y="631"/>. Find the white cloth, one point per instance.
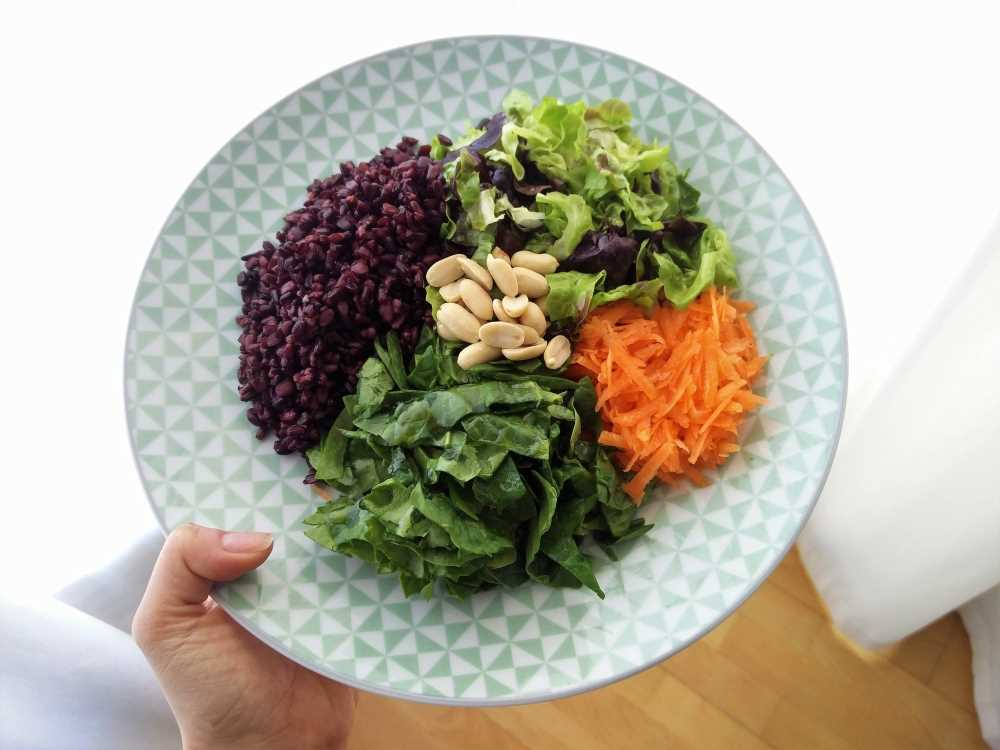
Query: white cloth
<point x="112" y="594"/>
<point x="68" y="680"/>
<point x="908" y="528"/>
<point x="71" y="678"/>
<point x="982" y="619"/>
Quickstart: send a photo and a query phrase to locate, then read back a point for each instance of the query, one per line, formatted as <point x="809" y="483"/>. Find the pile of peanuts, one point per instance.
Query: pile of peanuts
<point x="469" y="308"/>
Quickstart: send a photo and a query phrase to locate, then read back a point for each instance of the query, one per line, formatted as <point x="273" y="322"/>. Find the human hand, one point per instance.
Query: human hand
<point x="226" y="688"/>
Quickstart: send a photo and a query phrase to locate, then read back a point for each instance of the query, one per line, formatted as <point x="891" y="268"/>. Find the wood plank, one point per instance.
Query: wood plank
<point x="684" y="718"/>
<point x="918" y="655"/>
<point x="789" y="728"/>
<point x="865" y="700"/>
<point x="945" y="630"/>
<point x="791" y="577"/>
<point x="725" y="684"/>
<point x="951" y="675"/>
<point x="774" y="675"/>
<point x="385" y="722"/>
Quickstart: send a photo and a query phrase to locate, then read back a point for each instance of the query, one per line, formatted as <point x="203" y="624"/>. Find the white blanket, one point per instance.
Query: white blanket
<point x="982" y="619"/>
<point x="69" y="680"/>
<point x="72" y="677"/>
<point x="908" y="528"/>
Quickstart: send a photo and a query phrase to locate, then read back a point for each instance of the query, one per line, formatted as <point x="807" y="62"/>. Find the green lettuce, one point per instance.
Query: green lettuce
<point x="594" y="153"/>
<point x="468" y="479"/>
<point x="646" y="294"/>
<point x="523" y="216"/>
<point x="570" y="294"/>
<point x="567" y="218"/>
<point x="685" y="276"/>
<point x="601" y="188"/>
<point x="478" y="204"/>
<point x="671" y="274"/>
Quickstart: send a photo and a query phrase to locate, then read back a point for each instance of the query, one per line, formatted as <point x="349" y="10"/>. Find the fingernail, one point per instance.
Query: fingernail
<point x="246" y="541"/>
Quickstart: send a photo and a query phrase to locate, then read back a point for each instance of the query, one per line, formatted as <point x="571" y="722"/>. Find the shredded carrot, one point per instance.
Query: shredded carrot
<point x="673" y="387"/>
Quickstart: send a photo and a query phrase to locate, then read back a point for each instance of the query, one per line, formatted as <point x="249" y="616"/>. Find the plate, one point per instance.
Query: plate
<point x="711" y="547"/>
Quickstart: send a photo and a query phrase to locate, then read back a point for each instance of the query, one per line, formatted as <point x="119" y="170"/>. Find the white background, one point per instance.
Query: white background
<point x="886" y="120"/>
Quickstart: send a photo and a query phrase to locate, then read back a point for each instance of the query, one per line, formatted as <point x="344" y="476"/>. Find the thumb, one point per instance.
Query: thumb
<point x="192" y="559"/>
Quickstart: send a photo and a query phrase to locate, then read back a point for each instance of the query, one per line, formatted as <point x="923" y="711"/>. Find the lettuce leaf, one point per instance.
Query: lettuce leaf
<point x="517" y="104"/>
<point x="478" y="204"/>
<point x="523" y="216"/>
<point x="711" y="262"/>
<point x="434" y="299"/>
<point x="609" y="251"/>
<point x="595" y="185"/>
<point x="559" y="546"/>
<point x="595" y="154"/>
<point x="567" y="218"/>
<point x="374" y="384"/>
<point x="643" y="293"/>
<point x="570" y="294"/>
<point x="477" y="140"/>
<point x="507" y="151"/>
<point x="612" y="114"/>
<point x="466" y="480"/>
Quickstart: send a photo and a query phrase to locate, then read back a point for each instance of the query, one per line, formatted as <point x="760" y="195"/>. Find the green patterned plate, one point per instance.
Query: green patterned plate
<point x="711" y="547"/>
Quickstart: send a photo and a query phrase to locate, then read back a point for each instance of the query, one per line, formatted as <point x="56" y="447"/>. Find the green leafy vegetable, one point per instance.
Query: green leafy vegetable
<point x="472" y="478"/>
<point x="517" y="104"/>
<point x="509" y="432"/>
<point x="594" y="152"/>
<point x="374" y="384"/>
<point x="478" y="204"/>
<point x="585" y="404"/>
<point x="711" y="262"/>
<point x="620" y="189"/>
<point x="434" y="299"/>
<point x="570" y="294"/>
<point x="523" y="216"/>
<point x="568" y="218"/>
<point x="391" y="355"/>
<point x="643" y="293"/>
<point x="465" y="534"/>
<point x="327" y="458"/>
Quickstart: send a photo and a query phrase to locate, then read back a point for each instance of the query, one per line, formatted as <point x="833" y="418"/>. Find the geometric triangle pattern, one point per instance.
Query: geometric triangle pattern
<point x="710" y="548"/>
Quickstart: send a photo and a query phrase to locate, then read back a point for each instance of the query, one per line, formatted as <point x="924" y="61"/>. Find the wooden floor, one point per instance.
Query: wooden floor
<point x="774" y="675"/>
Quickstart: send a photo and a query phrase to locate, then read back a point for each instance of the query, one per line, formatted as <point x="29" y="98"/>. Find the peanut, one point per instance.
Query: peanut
<point x="444" y="271"/>
<point x="531" y="283"/>
<point x="530" y="335"/>
<point x="501" y="335"/>
<point x="476" y="298"/>
<point x="521" y="353"/>
<point x="476" y="272"/>
<point x="450" y="292"/>
<point x="459" y="321"/>
<point x="500" y="313"/>
<point x="503" y="275"/>
<point x="515" y="306"/>
<point x="535" y="318"/>
<point x="557" y="352"/>
<point x="445" y="332"/>
<point x="477" y="354"/>
<point x="542" y="263"/>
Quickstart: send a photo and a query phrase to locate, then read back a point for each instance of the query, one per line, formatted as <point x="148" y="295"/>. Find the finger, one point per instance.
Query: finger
<point x="194" y="557"/>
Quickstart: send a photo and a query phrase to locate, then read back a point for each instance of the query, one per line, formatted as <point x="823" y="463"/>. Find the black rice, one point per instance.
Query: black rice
<point x="346" y="268"/>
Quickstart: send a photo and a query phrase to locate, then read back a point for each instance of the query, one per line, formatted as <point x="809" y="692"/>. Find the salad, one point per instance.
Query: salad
<point x="575" y="344"/>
